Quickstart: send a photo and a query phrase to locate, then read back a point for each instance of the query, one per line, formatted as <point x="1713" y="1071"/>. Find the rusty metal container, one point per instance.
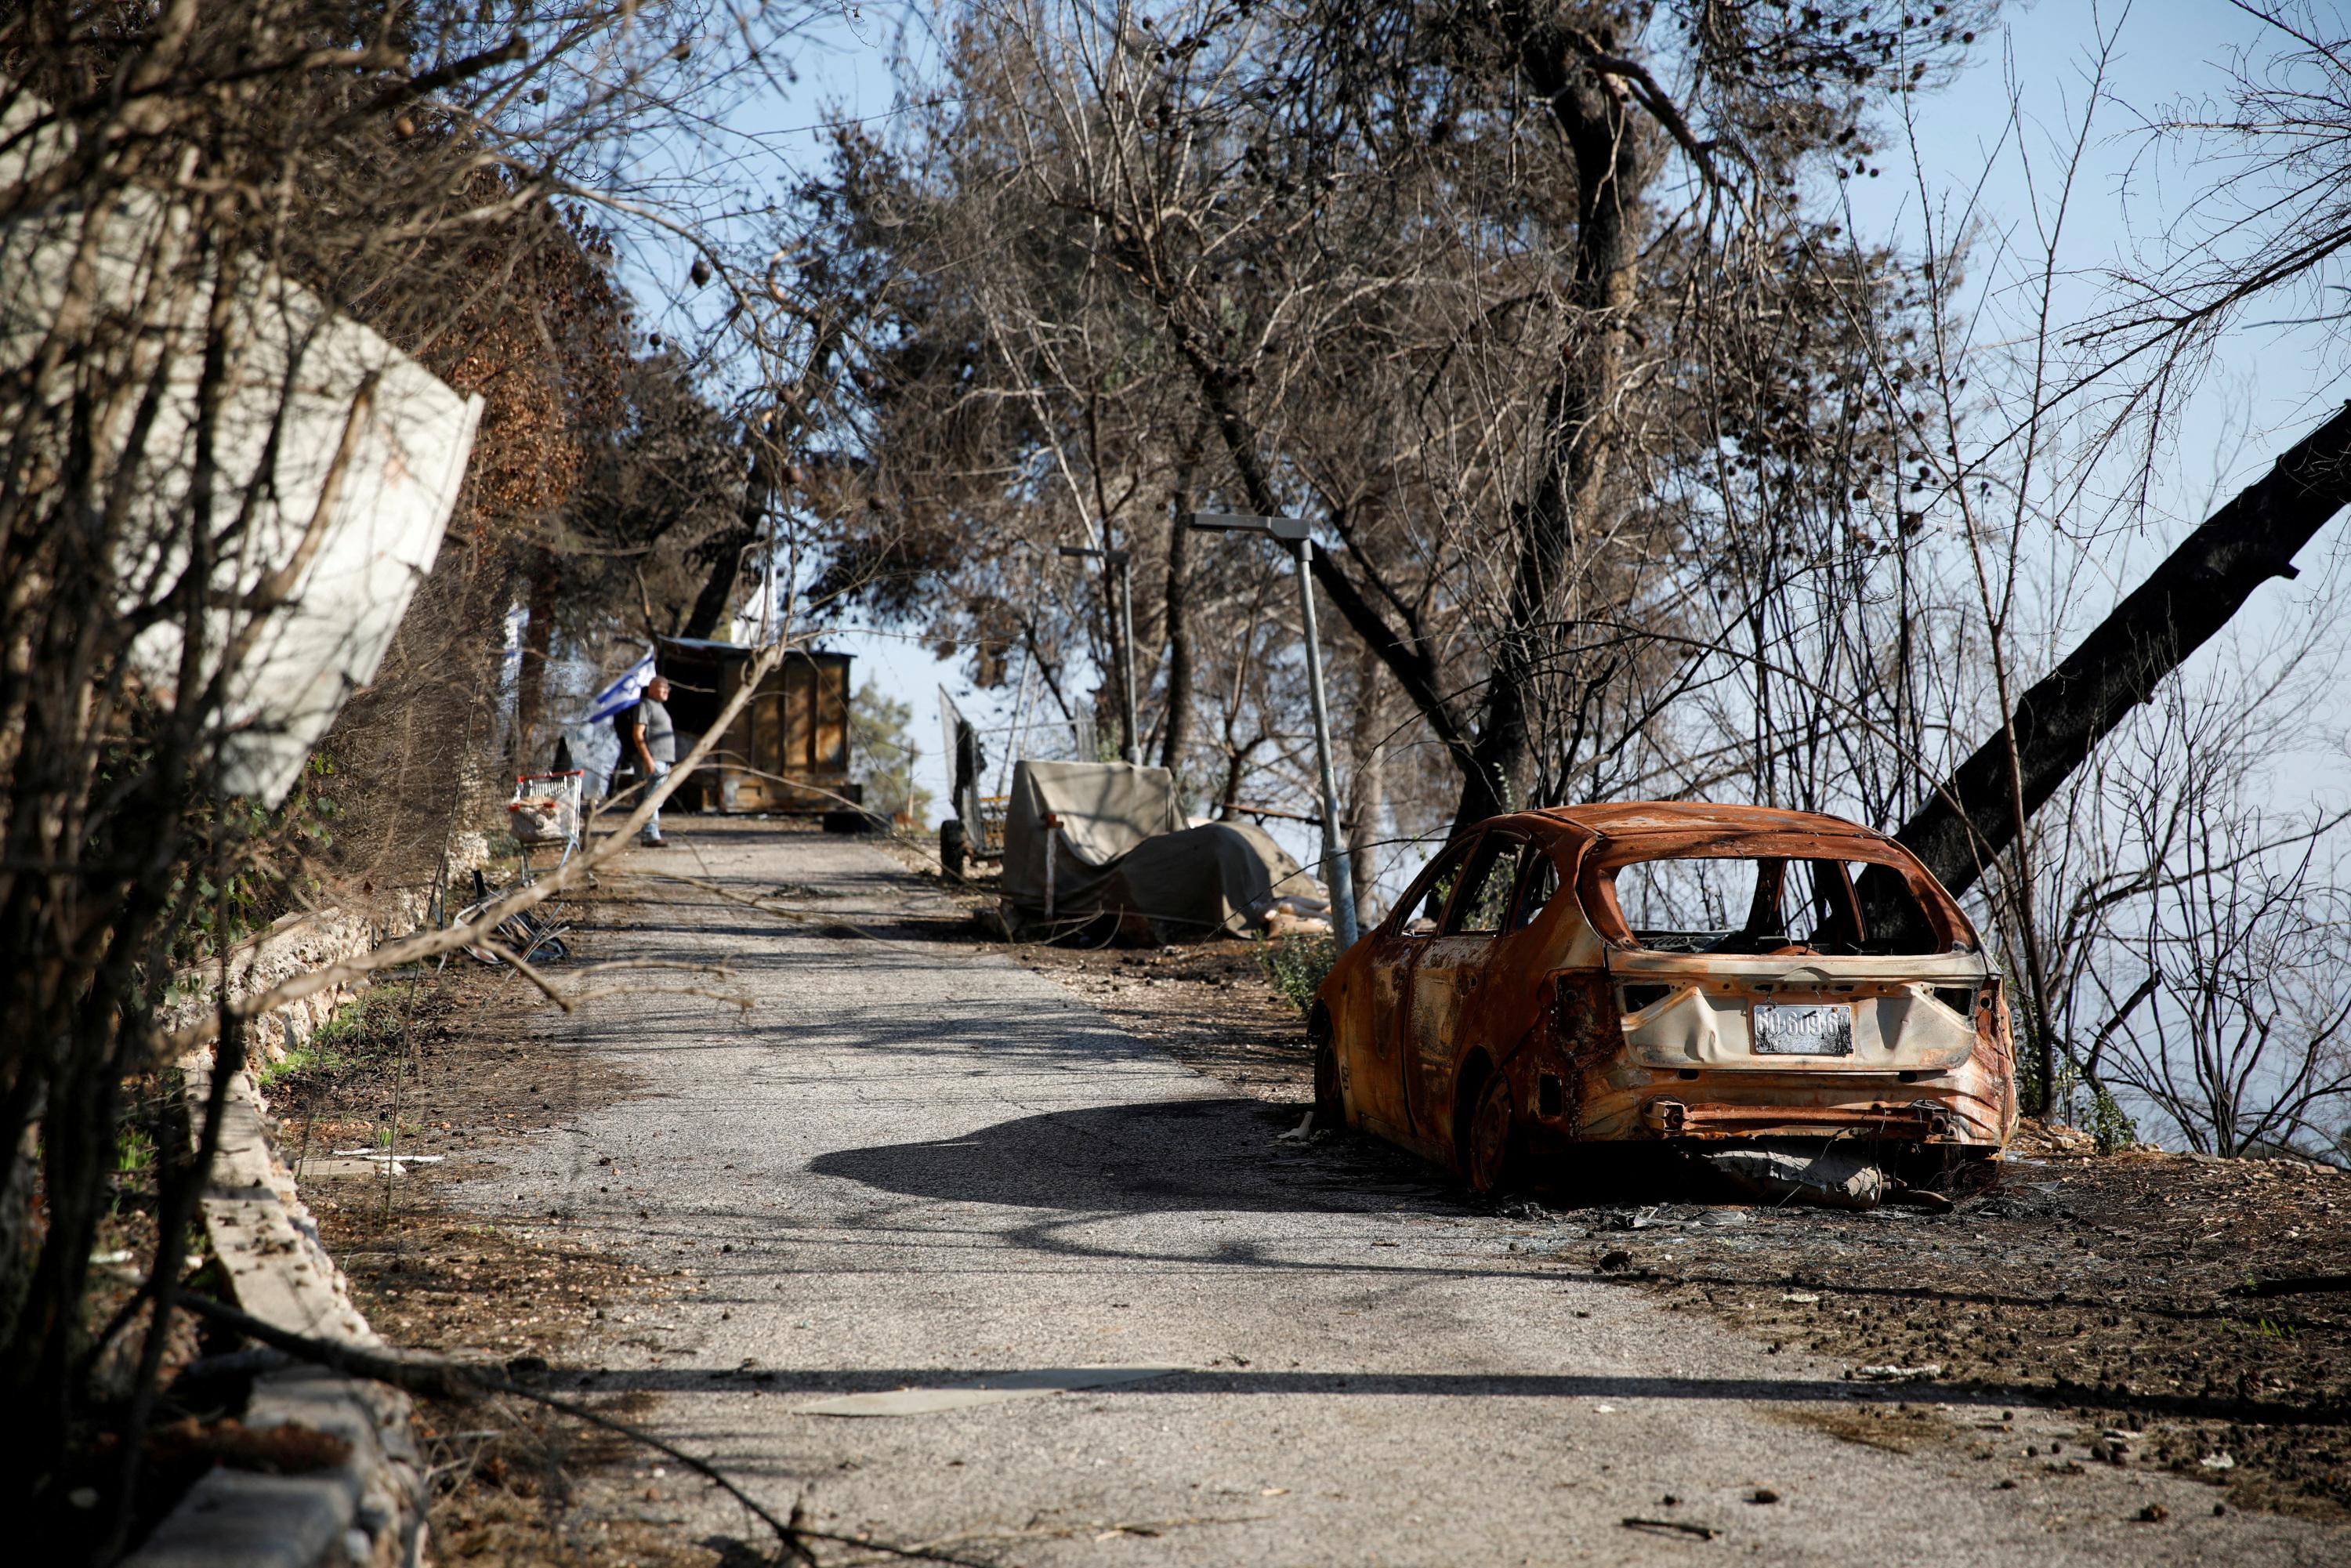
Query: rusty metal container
<point x="787" y="751"/>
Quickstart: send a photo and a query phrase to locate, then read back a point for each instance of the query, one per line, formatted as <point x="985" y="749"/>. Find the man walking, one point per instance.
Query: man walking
<point x="649" y="742"/>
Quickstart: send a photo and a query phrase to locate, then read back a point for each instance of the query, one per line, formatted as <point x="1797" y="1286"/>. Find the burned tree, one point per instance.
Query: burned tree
<point x="2199" y="589"/>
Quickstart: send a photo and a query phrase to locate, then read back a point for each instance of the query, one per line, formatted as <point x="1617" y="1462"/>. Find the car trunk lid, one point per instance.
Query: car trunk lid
<point x="1804" y="1012"/>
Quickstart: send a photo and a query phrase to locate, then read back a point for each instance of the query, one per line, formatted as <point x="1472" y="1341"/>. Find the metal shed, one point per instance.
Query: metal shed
<point x="787" y="750"/>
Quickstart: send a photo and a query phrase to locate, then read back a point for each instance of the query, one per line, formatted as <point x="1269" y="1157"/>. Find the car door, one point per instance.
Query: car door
<point x="1448" y="973"/>
<point x="1377" y="1085"/>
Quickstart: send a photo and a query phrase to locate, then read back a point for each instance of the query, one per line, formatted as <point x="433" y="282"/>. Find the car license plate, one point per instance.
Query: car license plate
<point x="1813" y="1030"/>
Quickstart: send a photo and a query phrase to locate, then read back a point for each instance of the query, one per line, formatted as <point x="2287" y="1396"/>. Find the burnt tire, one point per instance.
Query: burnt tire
<point x="1487" y="1142"/>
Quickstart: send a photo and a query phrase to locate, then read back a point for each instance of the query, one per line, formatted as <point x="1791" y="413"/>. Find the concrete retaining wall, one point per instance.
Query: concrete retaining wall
<point x="368" y="1511"/>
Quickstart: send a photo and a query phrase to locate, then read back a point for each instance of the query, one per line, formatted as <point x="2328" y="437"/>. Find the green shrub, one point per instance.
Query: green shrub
<point x="134" y="1152"/>
<point x="1297" y="965"/>
<point x="366" y="1027"/>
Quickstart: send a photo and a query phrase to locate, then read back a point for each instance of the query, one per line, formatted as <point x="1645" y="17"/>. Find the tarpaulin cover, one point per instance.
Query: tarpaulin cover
<point x="1219" y="877"/>
<point x="339" y="456"/>
<point x="1105" y="809"/>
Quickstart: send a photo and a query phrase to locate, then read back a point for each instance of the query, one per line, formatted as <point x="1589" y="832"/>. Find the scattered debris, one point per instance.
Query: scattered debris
<point x="1926" y="1374"/>
<point x="1829" y="1173"/>
<point x="1672" y="1527"/>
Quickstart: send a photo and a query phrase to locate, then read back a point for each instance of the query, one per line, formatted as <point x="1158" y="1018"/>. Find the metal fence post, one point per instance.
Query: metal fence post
<point x="1336" y="874"/>
<point x="1294" y="532"/>
<point x="1053" y="848"/>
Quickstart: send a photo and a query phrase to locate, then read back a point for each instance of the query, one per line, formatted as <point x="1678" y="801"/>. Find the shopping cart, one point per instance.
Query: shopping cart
<point x="547" y="813"/>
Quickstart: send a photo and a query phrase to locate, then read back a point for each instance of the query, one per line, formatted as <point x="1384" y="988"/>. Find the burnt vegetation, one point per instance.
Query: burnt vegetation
<point x="1640" y="467"/>
<point x="1642" y="461"/>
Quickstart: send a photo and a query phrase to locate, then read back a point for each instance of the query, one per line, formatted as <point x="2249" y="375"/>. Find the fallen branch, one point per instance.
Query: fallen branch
<point x="2058" y="1302"/>
<point x="516" y="961"/>
<point x="825" y="924"/>
<point x="168" y="1045"/>
<point x="1675" y="1526"/>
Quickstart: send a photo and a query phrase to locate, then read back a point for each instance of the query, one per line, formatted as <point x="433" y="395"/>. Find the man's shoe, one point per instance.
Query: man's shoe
<point x="652" y="843"/>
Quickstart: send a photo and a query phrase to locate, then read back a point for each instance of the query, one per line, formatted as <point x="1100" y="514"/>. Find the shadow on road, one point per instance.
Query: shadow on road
<point x="1152" y="1157"/>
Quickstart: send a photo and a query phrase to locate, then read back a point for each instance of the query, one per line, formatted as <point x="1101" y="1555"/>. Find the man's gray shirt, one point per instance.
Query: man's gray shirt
<point x="661" y="736"/>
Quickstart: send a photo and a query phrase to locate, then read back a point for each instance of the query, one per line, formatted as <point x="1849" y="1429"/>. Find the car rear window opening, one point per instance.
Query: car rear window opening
<point x="1771" y="903"/>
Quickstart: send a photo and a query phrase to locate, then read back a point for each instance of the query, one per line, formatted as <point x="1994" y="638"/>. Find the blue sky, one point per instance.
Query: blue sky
<point x="2269" y="386"/>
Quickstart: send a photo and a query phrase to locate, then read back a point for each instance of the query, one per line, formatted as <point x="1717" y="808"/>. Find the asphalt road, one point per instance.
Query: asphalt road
<point x="917" y="1165"/>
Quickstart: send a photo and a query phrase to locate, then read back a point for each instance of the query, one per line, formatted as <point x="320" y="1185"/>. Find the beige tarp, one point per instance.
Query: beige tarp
<point x="344" y="455"/>
<point x="1104" y="810"/>
<point x="1217" y="878"/>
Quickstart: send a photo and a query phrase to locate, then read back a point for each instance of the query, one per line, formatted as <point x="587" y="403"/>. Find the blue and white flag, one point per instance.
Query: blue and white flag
<point x="626" y="692"/>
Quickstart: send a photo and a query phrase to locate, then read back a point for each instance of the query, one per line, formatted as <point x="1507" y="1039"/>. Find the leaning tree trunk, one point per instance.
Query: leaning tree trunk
<point x="1967" y="823"/>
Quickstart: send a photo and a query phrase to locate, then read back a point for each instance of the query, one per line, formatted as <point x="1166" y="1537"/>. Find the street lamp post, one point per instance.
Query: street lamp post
<point x="1293" y="532"/>
<point x="1117" y="559"/>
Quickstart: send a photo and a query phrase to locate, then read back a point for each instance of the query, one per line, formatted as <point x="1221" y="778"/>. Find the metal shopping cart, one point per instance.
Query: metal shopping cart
<point x="547" y="812"/>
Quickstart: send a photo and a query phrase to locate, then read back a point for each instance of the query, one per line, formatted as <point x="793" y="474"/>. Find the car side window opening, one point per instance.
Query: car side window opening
<point x="1538" y="885"/>
<point x="1483" y="897"/>
<point x="1436" y="888"/>
<point x="1685" y="906"/>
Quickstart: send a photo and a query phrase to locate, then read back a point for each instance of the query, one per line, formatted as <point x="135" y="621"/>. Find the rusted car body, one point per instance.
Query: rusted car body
<point x="1525" y="994"/>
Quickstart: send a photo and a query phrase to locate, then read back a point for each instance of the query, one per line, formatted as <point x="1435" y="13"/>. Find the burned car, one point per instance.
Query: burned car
<point x="1706" y="977"/>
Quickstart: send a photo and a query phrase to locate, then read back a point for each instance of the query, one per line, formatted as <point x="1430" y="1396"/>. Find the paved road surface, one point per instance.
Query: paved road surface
<point x="914" y="1165"/>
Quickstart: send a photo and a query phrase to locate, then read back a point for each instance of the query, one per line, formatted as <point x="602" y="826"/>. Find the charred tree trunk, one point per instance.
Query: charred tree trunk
<point x="1584" y="88"/>
<point x="1367" y="784"/>
<point x="530" y="680"/>
<point x="1970" y="820"/>
<point x="1176" y="732"/>
<point x="1178" y="729"/>
<point x="1595" y="121"/>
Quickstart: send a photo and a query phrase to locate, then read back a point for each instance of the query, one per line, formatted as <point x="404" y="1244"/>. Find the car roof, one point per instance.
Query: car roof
<point x="1683" y="820"/>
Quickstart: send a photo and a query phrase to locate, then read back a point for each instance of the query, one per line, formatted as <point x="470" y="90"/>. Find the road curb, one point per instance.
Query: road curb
<point x="367" y="1511"/>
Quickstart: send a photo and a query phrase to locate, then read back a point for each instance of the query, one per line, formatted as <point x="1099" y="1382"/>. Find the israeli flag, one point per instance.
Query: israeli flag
<point x="626" y="692"/>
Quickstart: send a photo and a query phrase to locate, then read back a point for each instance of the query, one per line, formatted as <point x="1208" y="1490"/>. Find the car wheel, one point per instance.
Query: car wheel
<point x="1485" y="1158"/>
